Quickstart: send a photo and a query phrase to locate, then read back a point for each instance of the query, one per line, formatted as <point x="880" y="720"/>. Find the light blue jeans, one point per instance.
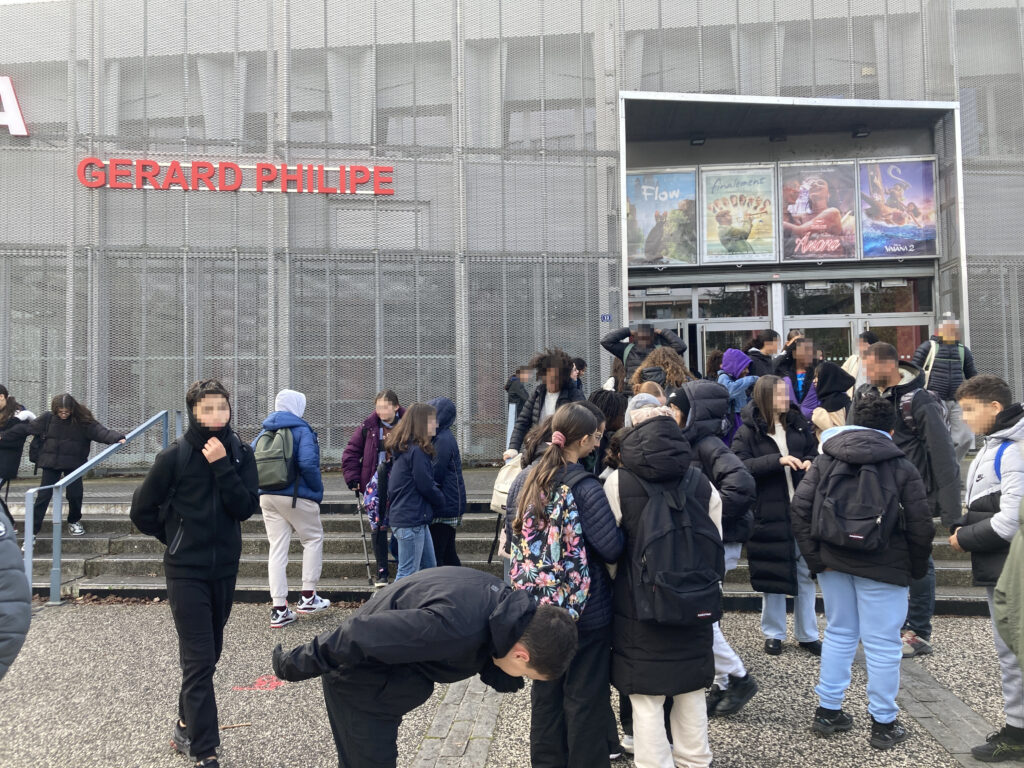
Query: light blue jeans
<point x="415" y="550"/>
<point x="871" y="612"/>
<point x="805" y="621"/>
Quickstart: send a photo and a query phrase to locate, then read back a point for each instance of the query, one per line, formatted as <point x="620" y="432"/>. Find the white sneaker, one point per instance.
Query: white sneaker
<point x="283" y="618"/>
<point x="627" y="743"/>
<point x="312" y="604"/>
<point x="76" y="529"/>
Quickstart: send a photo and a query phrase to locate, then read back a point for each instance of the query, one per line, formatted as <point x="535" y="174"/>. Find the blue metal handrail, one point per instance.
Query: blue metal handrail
<point x="163" y="418"/>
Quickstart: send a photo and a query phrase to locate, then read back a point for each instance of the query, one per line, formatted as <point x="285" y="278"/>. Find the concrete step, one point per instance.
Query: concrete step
<point x="344" y="567"/>
<point x="478" y="523"/>
<point x="256" y="544"/>
<point x="948" y="573"/>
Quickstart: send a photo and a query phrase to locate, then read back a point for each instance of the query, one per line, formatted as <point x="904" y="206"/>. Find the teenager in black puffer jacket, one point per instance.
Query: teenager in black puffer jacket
<point x="778" y="450"/>
<point x="15" y="598"/>
<point x="68" y="429"/>
<point x="651" y="661"/>
<point x="554" y="376"/>
<point x="700" y="408"/>
<point x="11" y="415"/>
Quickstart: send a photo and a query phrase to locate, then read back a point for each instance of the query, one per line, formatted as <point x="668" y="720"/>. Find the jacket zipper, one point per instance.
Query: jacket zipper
<point x="176" y="541"/>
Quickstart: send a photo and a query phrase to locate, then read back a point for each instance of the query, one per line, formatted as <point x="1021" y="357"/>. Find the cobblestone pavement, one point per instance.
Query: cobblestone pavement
<point x="96" y="686"/>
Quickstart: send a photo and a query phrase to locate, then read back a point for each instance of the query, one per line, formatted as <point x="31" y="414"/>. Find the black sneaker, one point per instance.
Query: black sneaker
<point x="813" y="647"/>
<point x="179" y="739"/>
<point x="887" y="735"/>
<point x="740" y="691"/>
<point x="773" y="647"/>
<point x="209" y="762"/>
<point x="713" y="697"/>
<point x="1000" y="746"/>
<point x="829" y="721"/>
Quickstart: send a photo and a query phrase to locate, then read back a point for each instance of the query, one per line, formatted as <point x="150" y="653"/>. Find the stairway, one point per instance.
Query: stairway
<point x="113" y="558"/>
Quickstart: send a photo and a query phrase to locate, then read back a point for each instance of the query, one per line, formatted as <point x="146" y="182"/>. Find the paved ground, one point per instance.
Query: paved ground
<point x="96" y="686"/>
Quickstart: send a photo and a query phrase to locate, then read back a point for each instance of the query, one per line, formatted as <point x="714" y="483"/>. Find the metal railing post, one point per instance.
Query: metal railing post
<point x="511" y="424"/>
<point x="29" y="532"/>
<point x="179" y="426"/>
<point x="58" y="520"/>
<point x="166" y="428"/>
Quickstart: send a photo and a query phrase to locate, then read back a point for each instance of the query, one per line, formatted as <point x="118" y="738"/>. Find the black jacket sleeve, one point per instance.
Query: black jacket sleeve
<point x="671" y="338"/>
<point x="917" y="519"/>
<point x="602" y="536"/>
<point x="238" y="488"/>
<point x="524" y="420"/>
<point x="23" y="429"/>
<point x="15" y="598"/>
<point x="616" y="342"/>
<point x="970" y="370"/>
<point x="100" y="434"/>
<point x="800" y="517"/>
<point x="151" y="495"/>
<point x="388" y="637"/>
<point x="758" y="466"/>
<point x="945" y="470"/>
<point x="734" y="482"/>
<point x="921" y="354"/>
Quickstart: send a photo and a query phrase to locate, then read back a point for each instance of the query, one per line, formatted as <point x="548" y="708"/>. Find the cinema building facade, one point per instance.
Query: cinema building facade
<point x="345" y="196"/>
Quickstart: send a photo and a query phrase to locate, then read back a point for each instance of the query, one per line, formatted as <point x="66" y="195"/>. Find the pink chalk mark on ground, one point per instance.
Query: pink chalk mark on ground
<point x="263" y="683"/>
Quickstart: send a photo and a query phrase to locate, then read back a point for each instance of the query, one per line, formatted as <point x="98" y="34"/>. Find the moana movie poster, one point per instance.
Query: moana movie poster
<point x="661" y="220"/>
<point x="739" y="214"/>
<point x="898" y="210"/>
<point x="819" y="204"/>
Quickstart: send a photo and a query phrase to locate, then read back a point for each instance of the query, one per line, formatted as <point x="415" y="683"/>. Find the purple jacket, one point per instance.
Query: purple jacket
<point x="359" y="461"/>
<point x="810" y="401"/>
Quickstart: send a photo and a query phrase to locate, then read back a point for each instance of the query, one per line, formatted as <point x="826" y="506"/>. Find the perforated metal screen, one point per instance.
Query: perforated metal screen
<point x="500" y="119"/>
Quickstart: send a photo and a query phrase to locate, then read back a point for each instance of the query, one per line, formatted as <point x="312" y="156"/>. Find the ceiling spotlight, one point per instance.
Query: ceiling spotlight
<point x="697" y="139"/>
<point x="860" y="132"/>
<point x="777" y="135"/>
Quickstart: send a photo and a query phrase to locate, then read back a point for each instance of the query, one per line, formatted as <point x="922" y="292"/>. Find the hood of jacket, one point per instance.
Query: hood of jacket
<point x="445" y="412"/>
<point x="1009" y="424"/>
<point x="709" y="403"/>
<point x="734" y="362"/>
<point x="291" y="401"/>
<point x="656" y="451"/>
<point x="859" y="445"/>
<point x="833" y="384"/>
<point x="282" y="419"/>
<point x="509" y="620"/>
<point x="373" y="422"/>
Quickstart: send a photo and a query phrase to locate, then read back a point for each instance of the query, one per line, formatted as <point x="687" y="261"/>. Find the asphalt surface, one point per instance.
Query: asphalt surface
<point x="96" y="685"/>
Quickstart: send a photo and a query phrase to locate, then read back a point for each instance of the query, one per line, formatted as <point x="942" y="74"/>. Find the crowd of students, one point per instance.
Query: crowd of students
<point x="629" y="509"/>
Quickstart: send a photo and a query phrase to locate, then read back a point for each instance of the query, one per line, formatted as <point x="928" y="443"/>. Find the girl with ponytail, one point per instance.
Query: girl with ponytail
<point x="570" y="715"/>
<point x="761" y="349"/>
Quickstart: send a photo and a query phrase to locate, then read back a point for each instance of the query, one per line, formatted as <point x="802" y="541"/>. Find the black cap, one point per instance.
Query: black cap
<point x="678" y="398"/>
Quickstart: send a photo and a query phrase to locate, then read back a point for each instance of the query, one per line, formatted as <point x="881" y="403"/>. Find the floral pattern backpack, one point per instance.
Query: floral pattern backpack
<point x="550" y="561"/>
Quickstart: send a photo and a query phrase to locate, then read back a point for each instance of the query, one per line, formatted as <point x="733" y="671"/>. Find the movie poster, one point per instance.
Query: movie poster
<point x="739" y="214"/>
<point x="898" y="210"/>
<point x="819" y="204"/>
<point x="661" y="218"/>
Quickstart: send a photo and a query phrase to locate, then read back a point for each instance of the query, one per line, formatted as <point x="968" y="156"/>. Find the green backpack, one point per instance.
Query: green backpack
<point x="275" y="461"/>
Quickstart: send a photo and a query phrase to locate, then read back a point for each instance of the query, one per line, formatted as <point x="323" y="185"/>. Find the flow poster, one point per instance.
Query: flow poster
<point x="661" y="221"/>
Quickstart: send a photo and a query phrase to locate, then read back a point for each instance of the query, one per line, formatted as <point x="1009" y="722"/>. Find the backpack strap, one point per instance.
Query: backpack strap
<point x="999" y="459"/>
<point x="906" y="409"/>
<point x="963" y="354"/>
<point x="573" y="474"/>
<point x="183" y="454"/>
<point x="626" y="352"/>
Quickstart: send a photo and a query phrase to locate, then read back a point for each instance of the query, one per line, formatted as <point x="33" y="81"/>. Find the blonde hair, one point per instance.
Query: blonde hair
<point x="666" y="358"/>
<point x="650" y="388"/>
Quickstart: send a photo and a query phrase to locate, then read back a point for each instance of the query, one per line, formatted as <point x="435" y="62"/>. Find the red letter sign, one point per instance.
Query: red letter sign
<point x="10" y="112"/>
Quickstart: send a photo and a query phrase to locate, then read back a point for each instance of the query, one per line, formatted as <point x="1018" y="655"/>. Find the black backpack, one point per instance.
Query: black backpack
<point x="35" y="447"/>
<point x="678" y="563"/>
<point x="852" y="510"/>
<point x="383" y="475"/>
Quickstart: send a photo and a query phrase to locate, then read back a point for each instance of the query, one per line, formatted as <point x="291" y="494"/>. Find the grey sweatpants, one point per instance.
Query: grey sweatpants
<point x="1009" y="670"/>
<point x="963" y="438"/>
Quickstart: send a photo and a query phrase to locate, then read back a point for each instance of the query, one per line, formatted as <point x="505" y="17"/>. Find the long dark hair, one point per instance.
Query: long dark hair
<point x="412" y="429"/>
<point x="79" y="413"/>
<point x="764" y="398"/>
<point x="612" y="405"/>
<point x="10" y="408"/>
<point x="575" y="421"/>
<point x="536" y="441"/>
<point x="763" y="337"/>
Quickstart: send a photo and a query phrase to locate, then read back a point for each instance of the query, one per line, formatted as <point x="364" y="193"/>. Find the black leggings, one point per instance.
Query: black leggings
<point x="73" y="493"/>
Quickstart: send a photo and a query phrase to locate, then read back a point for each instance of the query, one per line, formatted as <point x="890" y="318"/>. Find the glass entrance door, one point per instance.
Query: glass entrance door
<point x="722" y="336"/>
<point x="833" y="340"/>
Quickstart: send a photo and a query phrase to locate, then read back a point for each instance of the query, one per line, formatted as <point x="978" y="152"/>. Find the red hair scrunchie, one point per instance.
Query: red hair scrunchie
<point x="557" y="438"/>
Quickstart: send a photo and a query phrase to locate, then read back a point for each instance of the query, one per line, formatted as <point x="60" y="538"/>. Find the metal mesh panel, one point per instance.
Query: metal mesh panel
<point x="500" y="119"/>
